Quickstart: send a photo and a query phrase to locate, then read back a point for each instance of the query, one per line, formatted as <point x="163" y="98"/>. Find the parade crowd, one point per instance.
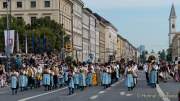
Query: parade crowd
<point x="34" y="71"/>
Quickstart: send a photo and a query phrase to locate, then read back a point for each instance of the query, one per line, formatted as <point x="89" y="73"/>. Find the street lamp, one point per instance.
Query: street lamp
<point x="7" y="29"/>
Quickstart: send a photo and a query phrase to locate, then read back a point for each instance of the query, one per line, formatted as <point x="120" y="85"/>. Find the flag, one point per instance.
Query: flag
<point x="17" y="42"/>
<point x="44" y="42"/>
<point x="33" y="43"/>
<point x="9" y="41"/>
<point x="26" y="45"/>
<point x="39" y="43"/>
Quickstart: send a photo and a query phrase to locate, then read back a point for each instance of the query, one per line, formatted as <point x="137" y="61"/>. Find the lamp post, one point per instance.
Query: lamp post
<point x="7" y="48"/>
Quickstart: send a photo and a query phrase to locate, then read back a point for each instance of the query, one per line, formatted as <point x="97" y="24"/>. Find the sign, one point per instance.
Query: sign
<point x="9" y="40"/>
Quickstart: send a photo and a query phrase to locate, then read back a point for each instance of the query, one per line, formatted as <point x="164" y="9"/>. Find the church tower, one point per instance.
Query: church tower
<point x="172" y="24"/>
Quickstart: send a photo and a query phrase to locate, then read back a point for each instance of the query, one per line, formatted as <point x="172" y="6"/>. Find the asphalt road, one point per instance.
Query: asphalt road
<point x="117" y="92"/>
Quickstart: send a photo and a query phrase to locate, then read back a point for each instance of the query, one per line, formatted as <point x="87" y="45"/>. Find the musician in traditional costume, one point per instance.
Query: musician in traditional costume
<point x="71" y="82"/>
<point x="61" y="77"/>
<point x="109" y="71"/>
<point x="30" y="77"/>
<point x="46" y="78"/>
<point x="23" y="80"/>
<point x="105" y="77"/>
<point x="98" y="74"/>
<point x="82" y="79"/>
<point x="39" y="75"/>
<point x="89" y="76"/>
<point x="14" y="81"/>
<point x="76" y="78"/>
<point x="129" y="77"/>
<point x="56" y="74"/>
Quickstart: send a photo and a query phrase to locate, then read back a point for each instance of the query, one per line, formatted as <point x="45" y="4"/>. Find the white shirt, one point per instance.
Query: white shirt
<point x="145" y="67"/>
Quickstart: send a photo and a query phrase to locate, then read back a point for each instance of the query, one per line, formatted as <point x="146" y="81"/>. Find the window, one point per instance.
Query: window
<point x="33" y="4"/>
<point x="19" y="4"/>
<point x="33" y="20"/>
<point x="4" y="4"/>
<point x="173" y="25"/>
<point x="48" y="17"/>
<point x="46" y="3"/>
<point x="19" y="18"/>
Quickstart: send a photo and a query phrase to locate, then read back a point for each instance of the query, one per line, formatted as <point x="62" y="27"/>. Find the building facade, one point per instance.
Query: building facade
<point x="176" y="46"/>
<point x="77" y="29"/>
<point x="174" y="36"/>
<point x="111" y="42"/>
<point x="97" y="41"/>
<point x="29" y="10"/>
<point x="86" y="32"/>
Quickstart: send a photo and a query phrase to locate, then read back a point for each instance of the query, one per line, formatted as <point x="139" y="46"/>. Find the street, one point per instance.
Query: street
<point x="164" y="92"/>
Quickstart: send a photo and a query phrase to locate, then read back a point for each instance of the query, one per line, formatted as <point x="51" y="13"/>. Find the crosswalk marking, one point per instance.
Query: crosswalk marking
<point x="93" y="97"/>
<point x="161" y="93"/>
<point x="43" y="94"/>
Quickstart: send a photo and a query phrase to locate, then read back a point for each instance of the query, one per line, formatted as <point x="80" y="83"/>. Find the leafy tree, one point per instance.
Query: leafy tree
<point x="169" y="55"/>
<point x="53" y="31"/>
<point x="16" y="24"/>
<point x="162" y="54"/>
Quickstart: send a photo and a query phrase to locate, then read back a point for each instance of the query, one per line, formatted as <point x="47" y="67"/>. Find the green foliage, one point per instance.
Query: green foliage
<point x="169" y="55"/>
<point x="162" y="54"/>
<point x="53" y="31"/>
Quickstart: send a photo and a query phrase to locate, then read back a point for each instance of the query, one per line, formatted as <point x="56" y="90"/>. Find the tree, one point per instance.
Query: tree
<point x="53" y="31"/>
<point x="16" y="24"/>
<point x="169" y="55"/>
<point x="162" y="54"/>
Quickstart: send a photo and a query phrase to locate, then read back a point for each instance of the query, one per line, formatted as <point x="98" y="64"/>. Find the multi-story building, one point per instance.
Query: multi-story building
<point x="120" y="48"/>
<point x="176" y="46"/>
<point x="77" y="29"/>
<point x="92" y="35"/>
<point x="57" y="10"/>
<point x="111" y="41"/>
<point x="86" y="31"/>
<point x="102" y="27"/>
<point x="97" y="41"/>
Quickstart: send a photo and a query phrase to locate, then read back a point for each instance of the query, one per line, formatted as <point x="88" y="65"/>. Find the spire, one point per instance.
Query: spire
<point x="173" y="12"/>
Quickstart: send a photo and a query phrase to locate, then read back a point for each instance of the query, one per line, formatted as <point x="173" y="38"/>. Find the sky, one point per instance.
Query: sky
<point x="141" y="22"/>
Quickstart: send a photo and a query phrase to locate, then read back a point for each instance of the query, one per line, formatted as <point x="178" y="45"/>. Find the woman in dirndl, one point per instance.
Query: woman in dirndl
<point x="76" y="78"/>
<point x="89" y="76"/>
<point x="109" y="71"/>
<point x="23" y="80"/>
<point x="82" y="79"/>
<point x="129" y="77"/>
<point x="153" y="74"/>
<point x="14" y="81"/>
<point x="46" y="78"/>
<point x="105" y="77"/>
<point x="70" y="82"/>
<point x="61" y="78"/>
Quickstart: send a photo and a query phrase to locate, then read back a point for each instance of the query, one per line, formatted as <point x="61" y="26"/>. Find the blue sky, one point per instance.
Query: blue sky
<point x="140" y="21"/>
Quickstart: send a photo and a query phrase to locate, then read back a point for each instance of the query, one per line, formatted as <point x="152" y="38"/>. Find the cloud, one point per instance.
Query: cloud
<point x="114" y="4"/>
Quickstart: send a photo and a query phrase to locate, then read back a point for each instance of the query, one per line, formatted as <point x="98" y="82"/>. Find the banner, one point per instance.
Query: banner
<point x="9" y="40"/>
